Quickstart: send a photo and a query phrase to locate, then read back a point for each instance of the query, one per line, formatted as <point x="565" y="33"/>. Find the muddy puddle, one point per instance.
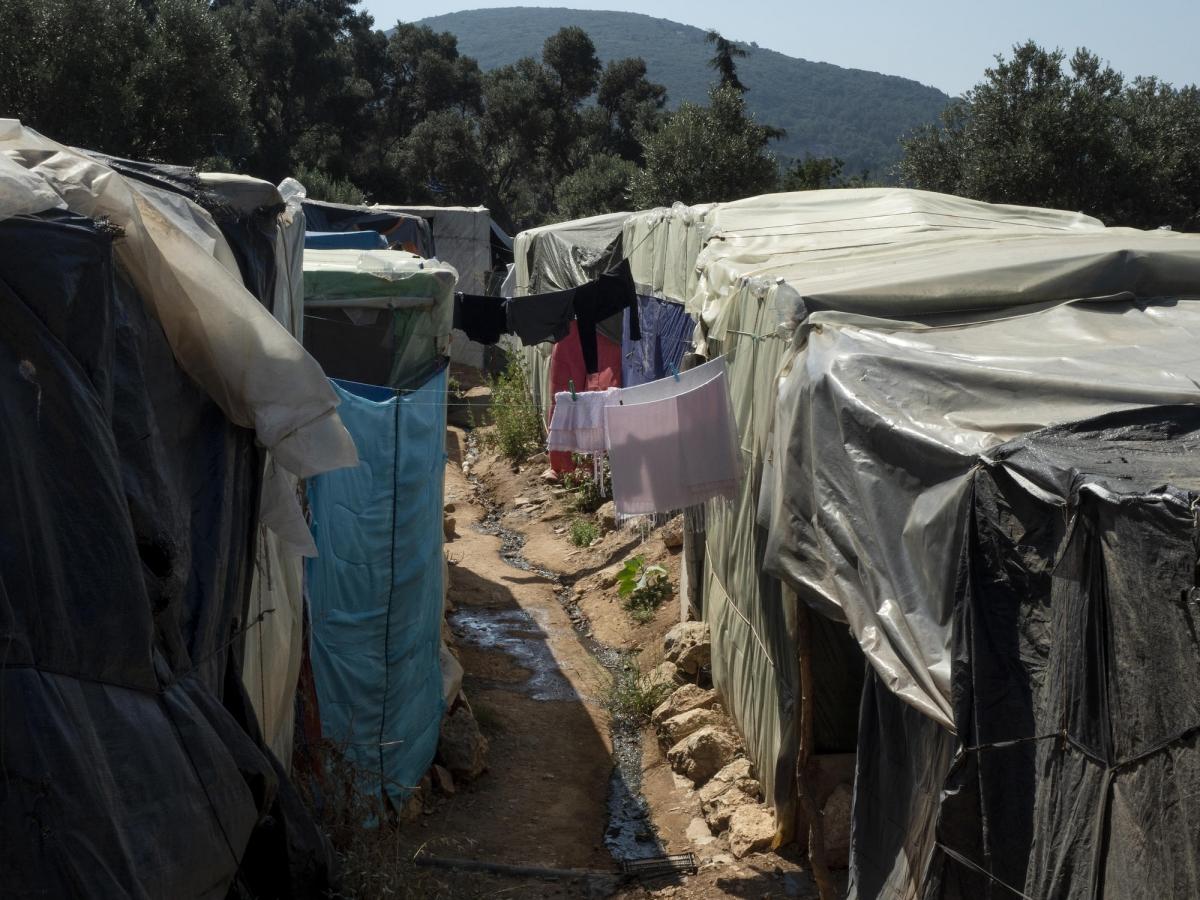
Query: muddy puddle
<point x="629" y="834"/>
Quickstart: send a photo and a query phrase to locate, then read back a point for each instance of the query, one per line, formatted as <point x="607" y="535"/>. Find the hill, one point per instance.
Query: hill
<point x="827" y="110"/>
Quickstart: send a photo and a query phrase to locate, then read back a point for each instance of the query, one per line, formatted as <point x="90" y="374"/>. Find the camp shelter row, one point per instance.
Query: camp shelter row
<point x="167" y="447"/>
<point x="966" y="531"/>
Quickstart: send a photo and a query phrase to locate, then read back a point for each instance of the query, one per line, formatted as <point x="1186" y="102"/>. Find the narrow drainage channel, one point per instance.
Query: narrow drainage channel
<point x="630" y="834"/>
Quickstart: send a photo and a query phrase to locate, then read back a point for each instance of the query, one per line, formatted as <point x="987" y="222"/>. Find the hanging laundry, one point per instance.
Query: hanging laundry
<point x="666" y="336"/>
<point x="566" y="366"/>
<point x="610" y="294"/>
<point x="577" y="425"/>
<point x="541" y="317"/>
<point x="676" y="448"/>
<point x="482" y="319"/>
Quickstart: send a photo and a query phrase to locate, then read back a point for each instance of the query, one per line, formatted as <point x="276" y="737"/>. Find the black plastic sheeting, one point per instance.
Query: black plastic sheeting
<point x="1076" y="672"/>
<point x="249" y="233"/>
<point x="130" y="761"/>
<point x="401" y="230"/>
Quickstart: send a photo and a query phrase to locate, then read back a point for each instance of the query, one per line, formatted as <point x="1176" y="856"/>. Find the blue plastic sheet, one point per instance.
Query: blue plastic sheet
<point x="376" y="589"/>
<point x="344" y="240"/>
<point x="666" y="336"/>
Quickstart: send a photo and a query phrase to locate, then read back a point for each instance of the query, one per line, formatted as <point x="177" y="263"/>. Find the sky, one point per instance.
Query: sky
<point x="944" y="43"/>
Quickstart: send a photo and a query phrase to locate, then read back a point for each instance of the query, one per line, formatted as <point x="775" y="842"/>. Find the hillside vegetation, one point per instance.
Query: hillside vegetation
<point x="826" y="110"/>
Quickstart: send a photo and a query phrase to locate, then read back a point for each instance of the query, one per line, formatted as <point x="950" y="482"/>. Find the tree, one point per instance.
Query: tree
<point x="725" y="56"/>
<point x="1043" y="132"/>
<point x="631" y="105"/>
<point x="601" y="186"/>
<point x="816" y="173"/>
<point x="153" y="79"/>
<point x="707" y="153"/>
<point x="307" y="104"/>
<point x="571" y="56"/>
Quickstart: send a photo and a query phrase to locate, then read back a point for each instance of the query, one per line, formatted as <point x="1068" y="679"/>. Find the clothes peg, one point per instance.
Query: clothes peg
<point x="674" y="371"/>
<point x="571" y="385"/>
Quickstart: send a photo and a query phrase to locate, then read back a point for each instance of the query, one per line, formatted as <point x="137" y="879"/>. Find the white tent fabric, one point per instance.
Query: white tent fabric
<point x="462" y="237"/>
<point x="221" y="336"/>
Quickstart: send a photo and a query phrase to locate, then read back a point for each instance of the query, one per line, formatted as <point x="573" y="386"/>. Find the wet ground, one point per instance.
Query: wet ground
<point x="518" y="633"/>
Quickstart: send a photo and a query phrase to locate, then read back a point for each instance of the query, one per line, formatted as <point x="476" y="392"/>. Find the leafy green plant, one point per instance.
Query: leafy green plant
<point x="633" y="697"/>
<point x="583" y="532"/>
<point x="643" y="588"/>
<point x="518" y="420"/>
<point x="582" y="486"/>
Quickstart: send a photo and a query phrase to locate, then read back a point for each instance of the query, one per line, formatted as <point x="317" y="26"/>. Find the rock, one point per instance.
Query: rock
<point x="606" y="515"/>
<point x="522" y="501"/>
<point x="462" y="748"/>
<point x="734" y="786"/>
<point x="448" y="507"/>
<point x="687" y="698"/>
<point x="835" y="821"/>
<point x="687" y="645"/>
<point x="751" y="830"/>
<point x="664" y="673"/>
<point x="448" y="524"/>
<point x="703" y="753"/>
<point x="676" y="728"/>
<point x="698" y="833"/>
<point x="738" y="772"/>
<point x="443" y="779"/>
<point x="719" y="810"/>
<point x="540" y="457"/>
<point x="672" y="534"/>
<point x="608" y="577"/>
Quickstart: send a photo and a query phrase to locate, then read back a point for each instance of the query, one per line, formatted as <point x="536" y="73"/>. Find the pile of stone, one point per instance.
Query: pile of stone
<point x="704" y="747"/>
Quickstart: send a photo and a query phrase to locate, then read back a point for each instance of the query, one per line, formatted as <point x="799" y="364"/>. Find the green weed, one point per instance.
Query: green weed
<point x="643" y="588"/>
<point x="632" y="697"/>
<point x="518" y="420"/>
<point x="583" y="532"/>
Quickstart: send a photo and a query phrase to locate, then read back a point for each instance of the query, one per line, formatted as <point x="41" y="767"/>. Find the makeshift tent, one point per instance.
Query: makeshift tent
<point x="1076" y="689"/>
<point x="138" y="365"/>
<point x="859" y="437"/>
<point x="377" y="588"/>
<point x="558" y="257"/>
<point x="376" y="316"/>
<point x="462" y="237"/>
<point x="399" y="231"/>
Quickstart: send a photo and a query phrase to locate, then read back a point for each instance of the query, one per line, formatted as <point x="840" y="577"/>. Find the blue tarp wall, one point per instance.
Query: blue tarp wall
<point x="344" y="240"/>
<point x="666" y="336"/>
<point x="376" y="588"/>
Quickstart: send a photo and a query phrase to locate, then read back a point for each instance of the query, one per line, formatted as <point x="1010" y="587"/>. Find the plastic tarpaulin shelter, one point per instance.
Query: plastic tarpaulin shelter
<point x="400" y="231"/>
<point x="377" y="316"/>
<point x="1076" y="689"/>
<point x="461" y="238"/>
<point x="132" y="763"/>
<point x="770" y="279"/>
<point x="377" y="586"/>
<point x="558" y="257"/>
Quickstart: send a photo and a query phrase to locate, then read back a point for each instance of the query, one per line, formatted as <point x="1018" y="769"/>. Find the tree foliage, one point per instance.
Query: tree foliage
<point x="707" y="153"/>
<point x="1041" y="130"/>
<point x="312" y="88"/>
<point x="151" y="79"/>
<point x="725" y="56"/>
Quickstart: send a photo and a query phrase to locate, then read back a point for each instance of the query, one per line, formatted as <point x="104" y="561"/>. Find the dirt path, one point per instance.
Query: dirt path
<point x="535" y="690"/>
<point x="533" y="680"/>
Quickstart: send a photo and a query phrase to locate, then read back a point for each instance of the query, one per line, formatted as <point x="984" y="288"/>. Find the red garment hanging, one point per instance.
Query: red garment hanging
<point x="566" y="364"/>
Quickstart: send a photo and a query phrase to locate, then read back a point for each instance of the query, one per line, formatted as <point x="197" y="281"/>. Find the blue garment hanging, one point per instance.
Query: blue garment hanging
<point x="666" y="331"/>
